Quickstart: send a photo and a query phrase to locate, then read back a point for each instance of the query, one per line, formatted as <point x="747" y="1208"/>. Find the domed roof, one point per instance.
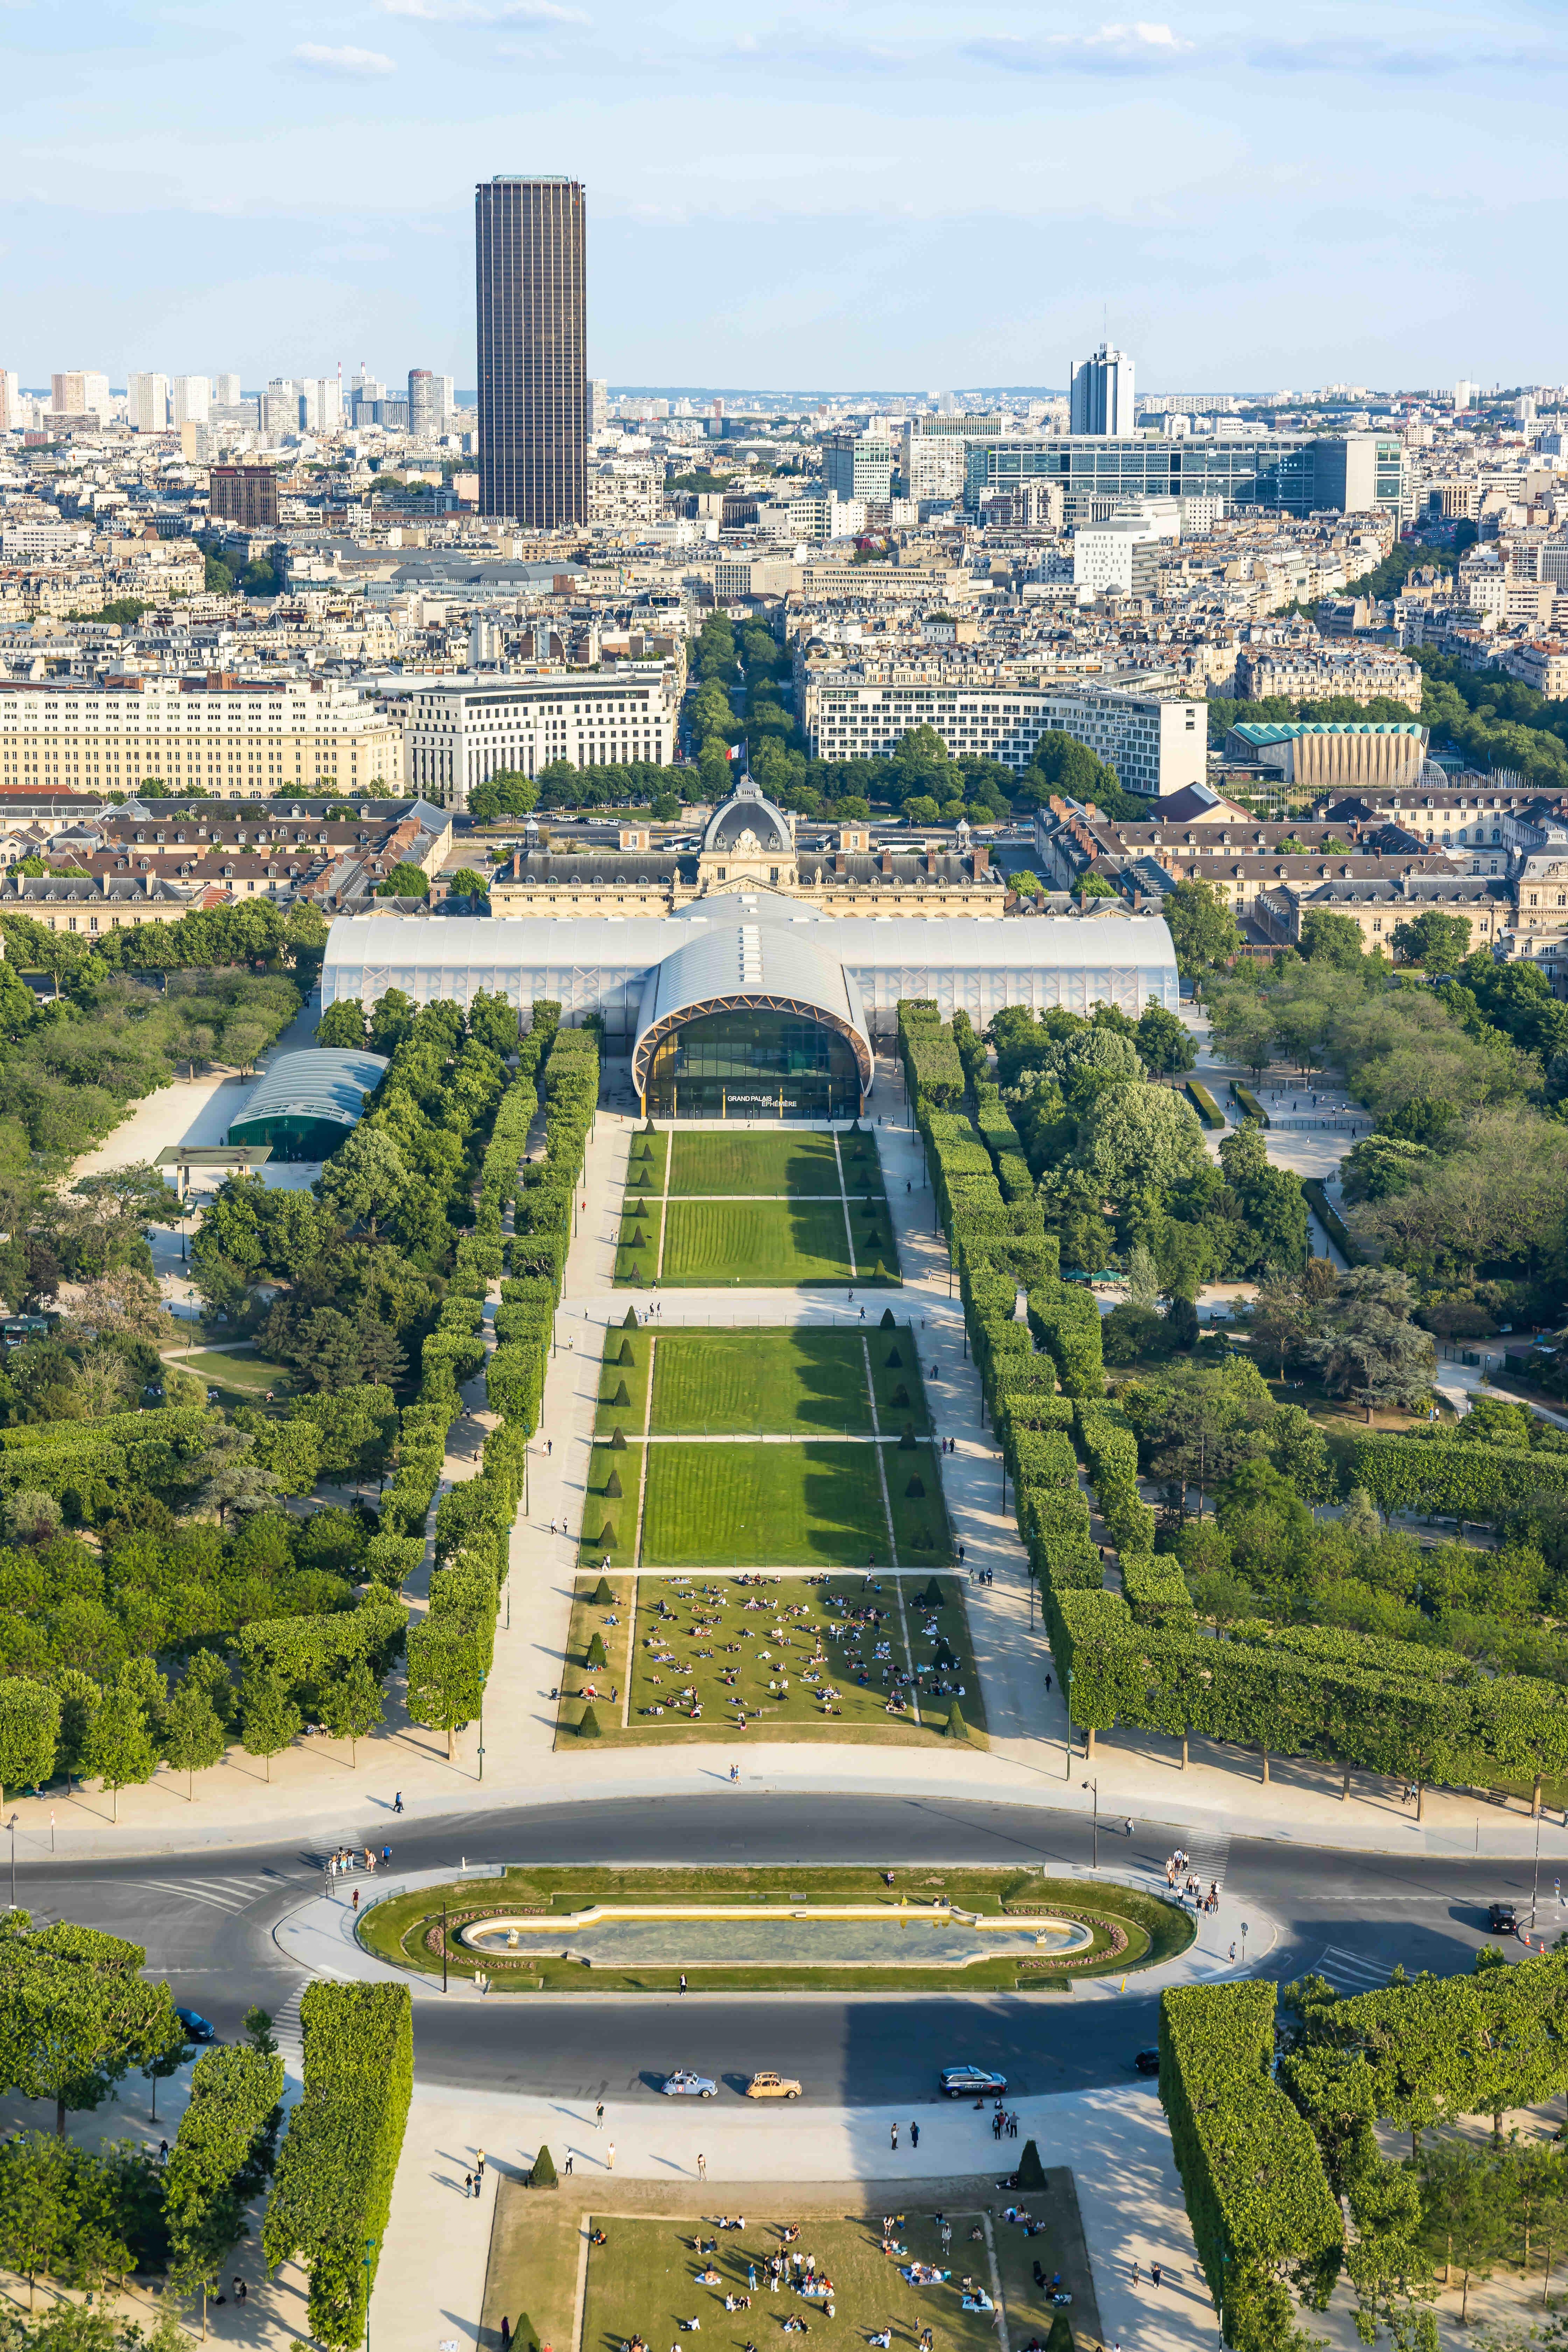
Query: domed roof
<point x="748" y="823"/>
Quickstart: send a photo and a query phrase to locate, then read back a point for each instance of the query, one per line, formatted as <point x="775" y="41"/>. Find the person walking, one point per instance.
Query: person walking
<point x="610" y="2157"/>
<point x="599" y="2116"/>
<point x="894" y="2138"/>
<point x="914" y="2135"/>
<point x="356" y="1898"/>
<point x="385" y="1854"/>
<point x="467" y="2184"/>
<point x="1154" y="2274"/>
<point x="701" y="2168"/>
<point x="397" y="1802"/>
<point x="480" y="2162"/>
<point x="569" y="2163"/>
<point x="683" y="1981"/>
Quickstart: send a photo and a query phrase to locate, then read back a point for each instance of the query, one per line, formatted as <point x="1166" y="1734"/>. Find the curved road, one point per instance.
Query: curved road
<point x="207" y="1922"/>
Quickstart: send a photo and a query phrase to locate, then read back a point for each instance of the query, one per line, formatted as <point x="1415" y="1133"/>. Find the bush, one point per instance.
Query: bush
<point x="597" y="1656"/>
<point x="603" y="1596"/>
<point x="1031" y="2171"/>
<point x="541" y="2171"/>
<point x="1203" y="1103"/>
<point x="588" y="1728"/>
<point x="956" y="1727"/>
<point x="1249" y="1103"/>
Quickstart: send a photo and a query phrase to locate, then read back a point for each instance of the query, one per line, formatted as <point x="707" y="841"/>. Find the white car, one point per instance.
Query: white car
<point x="684" y="2085"/>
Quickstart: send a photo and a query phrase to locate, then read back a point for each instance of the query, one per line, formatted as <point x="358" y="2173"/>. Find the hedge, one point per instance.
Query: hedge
<point x="1203" y="1103"/>
<point x="1066" y="1322"/>
<point x="1453" y="1477"/>
<point x="333" y="2192"/>
<point x="1257" y="2195"/>
<point x="1249" y="1103"/>
<point x="1334" y="1224"/>
<point x="219" y="2159"/>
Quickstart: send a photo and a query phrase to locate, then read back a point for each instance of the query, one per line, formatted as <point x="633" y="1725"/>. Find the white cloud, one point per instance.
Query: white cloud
<point x="485" y="12"/>
<point x="349" y="64"/>
<point x="1134" y="37"/>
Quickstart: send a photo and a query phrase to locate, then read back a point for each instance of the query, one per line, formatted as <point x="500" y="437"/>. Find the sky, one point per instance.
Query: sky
<point x="839" y="194"/>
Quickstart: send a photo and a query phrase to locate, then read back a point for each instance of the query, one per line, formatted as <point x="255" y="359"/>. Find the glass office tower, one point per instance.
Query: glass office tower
<point x="528" y="257"/>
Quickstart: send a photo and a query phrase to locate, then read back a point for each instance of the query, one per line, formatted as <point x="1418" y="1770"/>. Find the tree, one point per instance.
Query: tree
<point x="1142" y="1277"/>
<point x="391" y="1021"/>
<point x="1164" y="1043"/>
<point x="342" y="1024"/>
<point x="1330" y="938"/>
<point x="365" y="1179"/>
<point x="1368" y="1348"/>
<point x="403" y="881"/>
<point x="466" y="884"/>
<point x="447" y="1666"/>
<point x="268" y="1718"/>
<point x="1138" y="1137"/>
<point x="355" y="1428"/>
<point x="75" y="2013"/>
<point x="1438" y="942"/>
<point x="194" y="1738"/>
<point x="351" y="1706"/>
<point x="1201" y="929"/>
<point x="119" y="1748"/>
<point x="1090" y="885"/>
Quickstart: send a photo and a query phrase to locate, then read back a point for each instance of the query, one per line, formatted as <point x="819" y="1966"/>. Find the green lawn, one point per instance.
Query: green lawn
<point x="804" y="1164"/>
<point x="240" y="1378"/>
<point x="636" y="1244"/>
<point x="815" y="1505"/>
<point x="922" y="1536"/>
<point x="645" y="1165"/>
<point x="798" y="1658"/>
<point x="612" y="1624"/>
<point x="746" y="1380"/>
<point x="617" y="1378"/>
<point x="765" y="1244"/>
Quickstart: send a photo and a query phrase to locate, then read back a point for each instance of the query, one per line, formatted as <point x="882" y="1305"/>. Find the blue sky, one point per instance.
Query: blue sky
<point x="841" y="192"/>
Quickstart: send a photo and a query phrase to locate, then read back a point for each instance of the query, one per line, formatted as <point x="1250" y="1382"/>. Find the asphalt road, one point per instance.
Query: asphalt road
<point x="206" y="1920"/>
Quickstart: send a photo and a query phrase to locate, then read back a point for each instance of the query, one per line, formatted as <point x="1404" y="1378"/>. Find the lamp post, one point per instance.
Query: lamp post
<point x="1534" y="1892"/>
<point x="369" y="2260"/>
<point x="11" y="1825"/>
<point x="1095" y="1785"/>
<point x="443" y="1948"/>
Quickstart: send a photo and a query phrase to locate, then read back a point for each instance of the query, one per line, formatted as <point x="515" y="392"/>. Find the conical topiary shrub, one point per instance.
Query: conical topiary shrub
<point x="624" y="1396"/>
<point x="901" y="1394"/>
<point x="878" y="1272"/>
<point x="612" y="1487"/>
<point x="637" y="1241"/>
<point x="588" y="1726"/>
<point x="618" y="1440"/>
<point x="640" y="1181"/>
<point x="627" y="1354"/>
<point x="1031" y="2171"/>
<point x="915" y="1491"/>
<point x="945" y="1661"/>
<point x="541" y="2171"/>
<point x="888" y="1322"/>
<point x="649" y="1128"/>
<point x="629" y="1320"/>
<point x="956" y="1727"/>
<point x="934" y="1599"/>
<point x="597" y="1653"/>
<point x="893" y="1361"/>
<point x="603" y="1596"/>
<point x="634" y="1271"/>
<point x="1061" y="2337"/>
<point x="907" y="1443"/>
<point x="607" y="1539"/>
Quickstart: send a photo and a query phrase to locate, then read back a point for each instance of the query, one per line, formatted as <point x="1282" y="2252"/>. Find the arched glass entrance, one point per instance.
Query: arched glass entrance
<point x="751" y="1062"/>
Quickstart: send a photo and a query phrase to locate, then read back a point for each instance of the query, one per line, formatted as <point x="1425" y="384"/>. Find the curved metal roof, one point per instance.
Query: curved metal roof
<point x="748" y="811"/>
<point x="736" y="964"/>
<point x="328" y="1082"/>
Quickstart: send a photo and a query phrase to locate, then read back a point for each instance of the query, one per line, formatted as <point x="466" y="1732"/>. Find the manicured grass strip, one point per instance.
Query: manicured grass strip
<point x="899" y="1387"/>
<point x="649" y="1154"/>
<point x="943" y="1632"/>
<point x="602" y="1507"/>
<point x="804" y="1164"/>
<point x="622" y="1388"/>
<point x="815" y="1506"/>
<point x="612" y="1624"/>
<point x="239" y="1378"/>
<point x="747" y="1380"/>
<point x="637" y="1243"/>
<point x="765" y="1244"/>
<point x="920" y="1528"/>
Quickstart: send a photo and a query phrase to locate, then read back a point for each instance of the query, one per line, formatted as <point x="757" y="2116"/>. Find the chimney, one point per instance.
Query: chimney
<point x="981" y="854"/>
<point x="886" y="861"/>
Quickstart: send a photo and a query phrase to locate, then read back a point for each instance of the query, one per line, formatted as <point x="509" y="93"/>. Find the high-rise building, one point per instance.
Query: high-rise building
<point x="858" y="465"/>
<point x="79" y="392"/>
<point x="10" y="400"/>
<point x="1463" y="396"/>
<point x="247" y="495"/>
<point x="193" y="399"/>
<point x="425" y="410"/>
<point x="1101" y="392"/>
<point x="147" y="404"/>
<point x="322" y="403"/>
<point x="529" y="263"/>
<point x="226" y="392"/>
<point x="599" y="404"/>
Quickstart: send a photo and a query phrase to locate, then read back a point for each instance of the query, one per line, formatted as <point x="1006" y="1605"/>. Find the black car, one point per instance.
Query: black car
<point x="1147" y="2062"/>
<point x="196" y="2025"/>
<point x="1502" y="1918"/>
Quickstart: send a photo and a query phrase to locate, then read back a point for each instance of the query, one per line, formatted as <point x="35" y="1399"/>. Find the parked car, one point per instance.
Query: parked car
<point x="1147" y="2062"/>
<point x="197" y="2026"/>
<point x="772" y="2086"/>
<point x="684" y="2085"/>
<point x="972" y="2082"/>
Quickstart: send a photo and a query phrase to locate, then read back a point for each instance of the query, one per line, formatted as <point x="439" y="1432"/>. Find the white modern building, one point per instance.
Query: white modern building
<point x="193" y="399"/>
<point x="147" y="404"/>
<point x="1155" y="744"/>
<point x="756" y="1005"/>
<point x="1100" y="397"/>
<point x="1119" y="557"/>
<point x="458" y="731"/>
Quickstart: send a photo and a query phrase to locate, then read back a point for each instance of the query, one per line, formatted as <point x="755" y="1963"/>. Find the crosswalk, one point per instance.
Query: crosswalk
<point x="1207" y="1856"/>
<point x="1351" y="1972"/>
<point x="289" y="2034"/>
<point x="229" y="1895"/>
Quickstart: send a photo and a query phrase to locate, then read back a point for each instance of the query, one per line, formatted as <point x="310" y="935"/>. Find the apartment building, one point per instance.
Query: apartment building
<point x="1379" y="905"/>
<point x="1156" y="745"/>
<point x="109" y="903"/>
<point x="1264" y="670"/>
<point x="246" y="495"/>
<point x="249" y="740"/>
<point x="458" y="732"/>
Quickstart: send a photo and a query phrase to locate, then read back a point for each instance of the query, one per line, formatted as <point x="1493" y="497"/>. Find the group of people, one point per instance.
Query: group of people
<point x="342" y="1860"/>
<point x="1180" y="1877"/>
<point x="1004" y="2123"/>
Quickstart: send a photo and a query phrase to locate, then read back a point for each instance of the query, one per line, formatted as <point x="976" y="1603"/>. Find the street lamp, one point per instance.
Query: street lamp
<point x="11" y="1825"/>
<point x="1244" y="1943"/>
<point x="369" y="2260"/>
<point x="1534" y="1892"/>
<point x="443" y="1948"/>
<point x="1094" y="1784"/>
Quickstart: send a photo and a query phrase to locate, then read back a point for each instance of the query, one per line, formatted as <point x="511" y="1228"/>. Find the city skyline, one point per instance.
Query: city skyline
<point x="903" y="205"/>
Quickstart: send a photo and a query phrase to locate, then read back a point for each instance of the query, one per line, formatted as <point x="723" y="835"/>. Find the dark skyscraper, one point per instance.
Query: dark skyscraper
<point x="529" y="239"/>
